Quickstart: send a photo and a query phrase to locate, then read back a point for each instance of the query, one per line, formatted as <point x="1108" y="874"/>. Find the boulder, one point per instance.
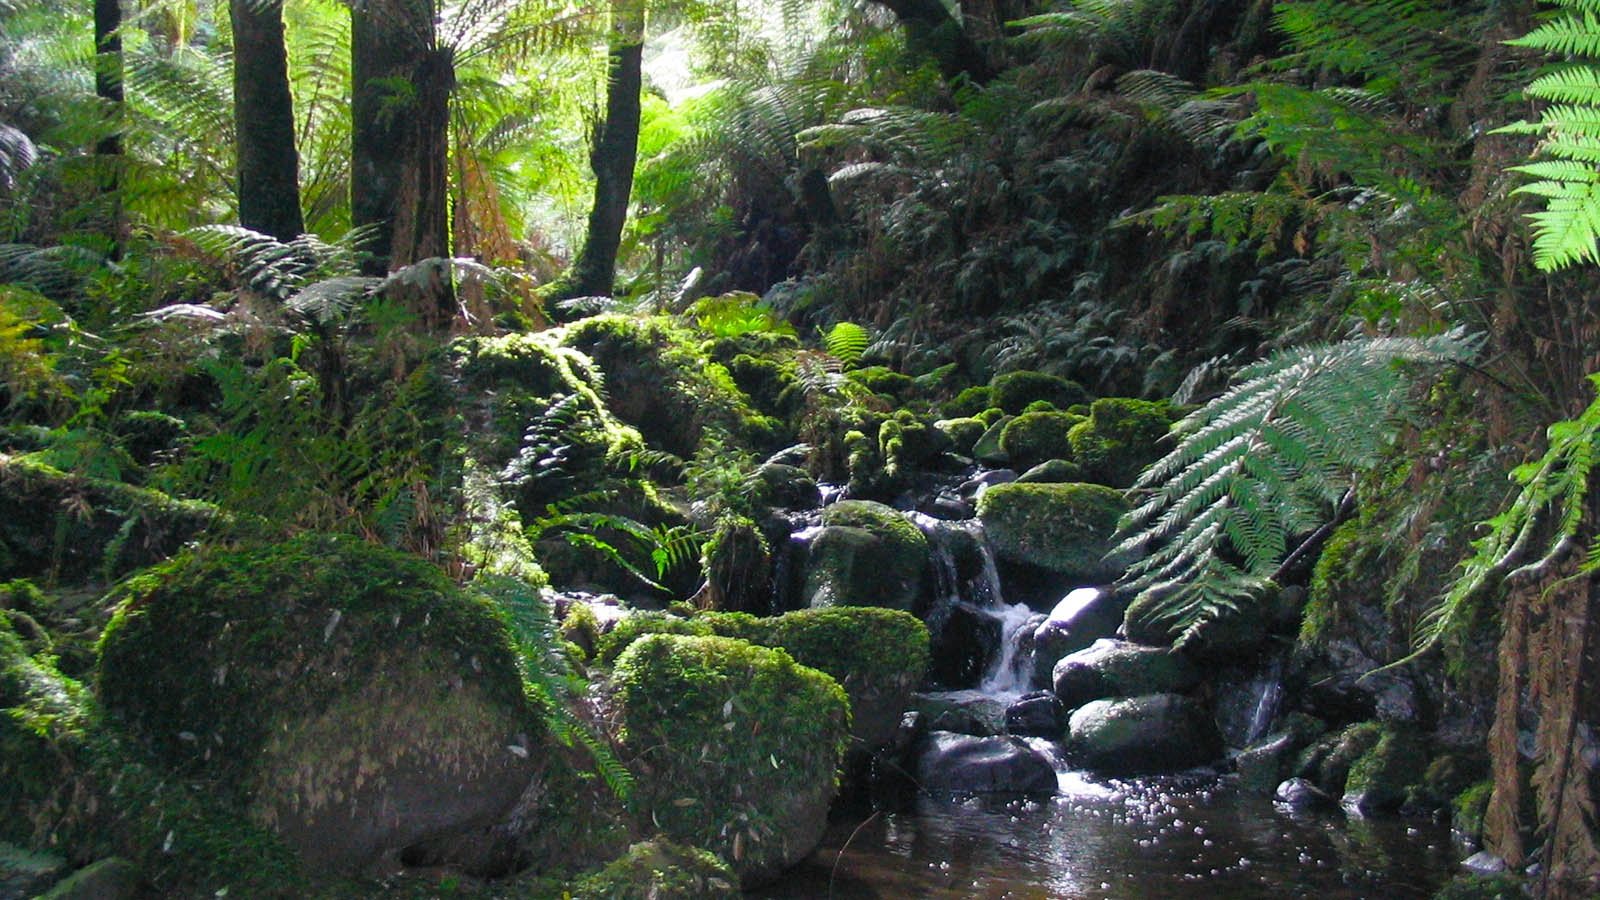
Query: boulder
<point x="966" y="764"/>
<point x="1052" y="471"/>
<point x="962" y="712"/>
<point x="352" y="697"/>
<point x="1038" y="714"/>
<point x="1033" y="437"/>
<point x="1014" y="391"/>
<point x="1064" y="529"/>
<point x="788" y="487"/>
<point x="1153" y="733"/>
<point x="1302" y="794"/>
<point x="1083" y="616"/>
<point x="866" y="554"/>
<point x="987" y="448"/>
<point x="735" y="747"/>
<point x="114" y="878"/>
<point x="1112" y="668"/>
<point x="1383" y="777"/>
<point x="1229" y="634"/>
<point x="963" y="432"/>
<point x="1119" y="439"/>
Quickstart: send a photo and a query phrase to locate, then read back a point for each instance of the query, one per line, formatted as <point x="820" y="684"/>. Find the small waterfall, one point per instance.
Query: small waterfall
<point x="1267" y="688"/>
<point x="788" y="558"/>
<point x="1012" y="670"/>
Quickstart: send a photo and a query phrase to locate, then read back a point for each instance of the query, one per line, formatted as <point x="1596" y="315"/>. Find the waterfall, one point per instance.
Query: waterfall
<point x="1012" y="670"/>
<point x="967" y="593"/>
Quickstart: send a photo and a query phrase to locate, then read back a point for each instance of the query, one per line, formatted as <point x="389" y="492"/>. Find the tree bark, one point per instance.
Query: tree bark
<point x="933" y="30"/>
<point x="616" y="150"/>
<point x="399" y="146"/>
<point x="108" y="87"/>
<point x="263" y="110"/>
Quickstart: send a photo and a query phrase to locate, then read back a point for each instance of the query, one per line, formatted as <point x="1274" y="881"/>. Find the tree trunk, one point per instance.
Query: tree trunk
<point x="399" y="146"/>
<point x="269" y="167"/>
<point x="108" y="87"/>
<point x="616" y="150"/>
<point x="931" y="29"/>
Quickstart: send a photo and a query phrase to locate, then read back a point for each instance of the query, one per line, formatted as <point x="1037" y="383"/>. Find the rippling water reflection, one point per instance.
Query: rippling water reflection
<point x="1174" y="837"/>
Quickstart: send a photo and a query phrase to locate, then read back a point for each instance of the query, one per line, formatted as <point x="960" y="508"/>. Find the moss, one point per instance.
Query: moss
<point x="738" y="566"/>
<point x="969" y="402"/>
<point x="580" y="627"/>
<point x="1120" y="438"/>
<point x="1483" y="887"/>
<point x="907" y="442"/>
<point x="324" y="606"/>
<point x="765" y="381"/>
<point x="659" y="380"/>
<point x="883" y="380"/>
<point x="636" y="625"/>
<point x="737" y="746"/>
<point x="1040" y="406"/>
<point x="1063" y="528"/>
<point x="1383" y="777"/>
<point x="512" y="379"/>
<point x="963" y="433"/>
<point x="1052" y="471"/>
<point x="991" y="416"/>
<point x="868" y="554"/>
<point x="148" y="435"/>
<point x="72" y="528"/>
<point x="743" y="626"/>
<point x="1013" y="391"/>
<point x="1035" y="437"/>
<point x="659" y="869"/>
<point x="1468" y="807"/>
<point x="1327" y="762"/>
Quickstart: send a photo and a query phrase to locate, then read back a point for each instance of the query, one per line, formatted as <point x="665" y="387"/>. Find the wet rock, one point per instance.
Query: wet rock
<point x="1038" y="714"/>
<point x="1484" y="863"/>
<point x="1382" y="778"/>
<point x="977" y="484"/>
<point x="1083" y="616"/>
<point x="1231" y="635"/>
<point x="1302" y="794"/>
<point x="963" y="642"/>
<point x="109" y="879"/>
<point x="1261" y="767"/>
<point x="965" y="764"/>
<point x="1247" y="702"/>
<point x="786" y="486"/>
<point x="1136" y="735"/>
<point x="987" y="448"/>
<point x="962" y="712"/>
<point x="24" y="873"/>
<point x="1112" y="668"/>
<point x="1052" y="471"/>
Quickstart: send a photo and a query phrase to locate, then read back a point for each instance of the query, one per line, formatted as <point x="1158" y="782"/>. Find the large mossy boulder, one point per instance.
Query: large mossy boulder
<point x="351" y="697"/>
<point x="1119" y="439"/>
<point x="1111" y="668"/>
<point x="1034" y="437"/>
<point x="735" y="746"/>
<point x="1013" y="391"/>
<point x="867" y="554"/>
<point x="1135" y="735"/>
<point x="74" y="528"/>
<point x="1064" y="529"/>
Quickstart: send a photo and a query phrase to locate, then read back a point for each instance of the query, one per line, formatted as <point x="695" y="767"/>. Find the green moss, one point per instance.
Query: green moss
<point x="1034" y="437"/>
<point x="883" y="380"/>
<point x="1382" y="778"/>
<point x="969" y="402"/>
<point x="1013" y="391"/>
<point x="1064" y="528"/>
<point x="1468" y="807"/>
<point x="738" y="746"/>
<point x="990" y="416"/>
<point x="868" y="554"/>
<point x="1120" y="438"/>
<point x="325" y="607"/>
<point x="581" y="628"/>
<point x="636" y="625"/>
<point x="660" y="870"/>
<point x="907" y="442"/>
<point x="765" y="381"/>
<point x="511" y="379"/>
<point x="963" y="433"/>
<point x="72" y="528"/>
<point x="1040" y="406"/>
<point x="738" y="566"/>
<point x="1327" y="762"/>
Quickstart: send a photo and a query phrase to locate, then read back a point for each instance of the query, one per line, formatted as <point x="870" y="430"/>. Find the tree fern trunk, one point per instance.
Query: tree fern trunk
<point x="616" y="150"/>
<point x="108" y="87"/>
<point x="932" y="29"/>
<point x="269" y="167"/>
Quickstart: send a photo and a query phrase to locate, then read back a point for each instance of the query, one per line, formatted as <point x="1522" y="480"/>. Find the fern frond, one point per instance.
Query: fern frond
<point x="847" y="341"/>
<point x="1265" y="461"/>
<point x="1570" y="35"/>
<point x="1574" y="84"/>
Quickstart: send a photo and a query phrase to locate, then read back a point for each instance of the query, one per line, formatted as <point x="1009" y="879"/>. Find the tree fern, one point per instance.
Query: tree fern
<point x="1564" y="232"/>
<point x="1261" y="464"/>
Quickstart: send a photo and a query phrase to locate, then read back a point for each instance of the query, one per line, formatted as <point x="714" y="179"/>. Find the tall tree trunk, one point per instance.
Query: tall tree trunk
<point x="399" y="148"/>
<point x="263" y="111"/>
<point x="616" y="150"/>
<point x="108" y="87"/>
<point x="933" y="30"/>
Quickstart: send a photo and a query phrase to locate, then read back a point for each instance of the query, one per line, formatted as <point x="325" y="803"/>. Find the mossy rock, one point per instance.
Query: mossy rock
<point x="659" y="380"/>
<point x="351" y="696"/>
<point x="907" y="442"/>
<point x="736" y="747"/>
<point x="986" y="449"/>
<point x="636" y="625"/>
<point x="511" y="379"/>
<point x="969" y="402"/>
<point x="75" y="786"/>
<point x="788" y="487"/>
<point x="1326" y="763"/>
<point x="1467" y="810"/>
<point x="659" y="869"/>
<point x="738" y="567"/>
<point x="878" y="656"/>
<point x="1061" y="528"/>
<point x="962" y="432"/>
<point x="1034" y="437"/>
<point x="1052" y="471"/>
<point x="867" y="554"/>
<point x="1120" y="438"/>
<point x="991" y="416"/>
<point x="1013" y="391"/>
<point x="148" y="435"/>
<point x="1225" y="634"/>
<point x="1385" y="776"/>
<point x="765" y="381"/>
<point x="883" y="380"/>
<point x="74" y="528"/>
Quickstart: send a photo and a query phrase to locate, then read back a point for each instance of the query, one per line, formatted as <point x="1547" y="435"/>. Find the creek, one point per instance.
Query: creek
<point x="1198" y="834"/>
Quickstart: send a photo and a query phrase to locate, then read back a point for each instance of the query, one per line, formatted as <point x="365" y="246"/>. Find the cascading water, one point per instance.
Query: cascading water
<point x="1012" y="670"/>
